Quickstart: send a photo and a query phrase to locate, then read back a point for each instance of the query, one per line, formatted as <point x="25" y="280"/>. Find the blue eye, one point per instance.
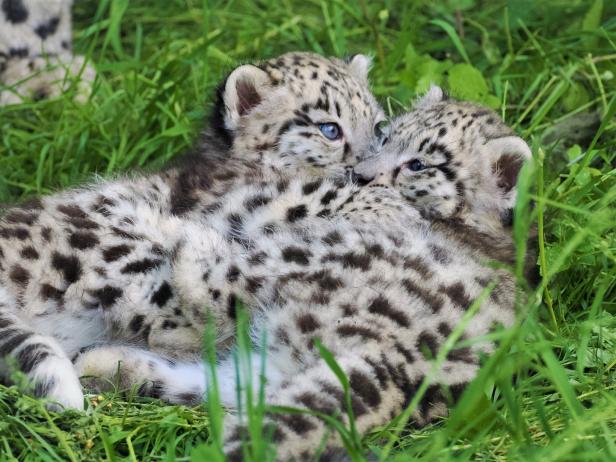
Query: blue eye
<point x="416" y="165"/>
<point x="331" y="131"/>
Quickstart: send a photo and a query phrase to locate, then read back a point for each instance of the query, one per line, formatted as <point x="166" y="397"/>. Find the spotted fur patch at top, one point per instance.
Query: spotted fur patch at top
<point x="35" y="52"/>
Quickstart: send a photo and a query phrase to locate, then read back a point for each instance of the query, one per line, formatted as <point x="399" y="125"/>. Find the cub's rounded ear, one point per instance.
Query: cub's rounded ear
<point x="434" y="95"/>
<point x="359" y="66"/>
<point x="508" y="154"/>
<point x="243" y="90"/>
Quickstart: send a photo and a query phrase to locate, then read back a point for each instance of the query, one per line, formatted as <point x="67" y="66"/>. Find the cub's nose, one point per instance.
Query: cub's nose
<point x="360" y="179"/>
<point x="377" y="169"/>
<point x="364" y="172"/>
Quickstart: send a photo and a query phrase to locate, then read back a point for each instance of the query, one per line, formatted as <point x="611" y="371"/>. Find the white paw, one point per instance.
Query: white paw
<point x="65" y="395"/>
<point x="56" y="381"/>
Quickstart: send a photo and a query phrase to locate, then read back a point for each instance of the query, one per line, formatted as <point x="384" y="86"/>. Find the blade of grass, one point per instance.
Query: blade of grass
<point x="453" y="35"/>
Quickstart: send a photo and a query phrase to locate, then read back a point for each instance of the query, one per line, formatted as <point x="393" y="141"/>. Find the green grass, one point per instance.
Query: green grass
<point x="548" y="67"/>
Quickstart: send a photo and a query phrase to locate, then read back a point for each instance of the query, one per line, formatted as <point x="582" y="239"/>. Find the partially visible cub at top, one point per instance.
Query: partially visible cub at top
<point x="298" y="112"/>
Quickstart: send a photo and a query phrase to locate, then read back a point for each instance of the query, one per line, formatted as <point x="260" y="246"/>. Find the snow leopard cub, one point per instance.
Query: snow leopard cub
<point x="380" y="274"/>
<point x="96" y="264"/>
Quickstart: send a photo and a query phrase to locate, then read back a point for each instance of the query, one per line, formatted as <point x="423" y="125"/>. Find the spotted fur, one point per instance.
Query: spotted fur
<point x="97" y="264"/>
<point x="36" y="59"/>
<point x="379" y="274"/>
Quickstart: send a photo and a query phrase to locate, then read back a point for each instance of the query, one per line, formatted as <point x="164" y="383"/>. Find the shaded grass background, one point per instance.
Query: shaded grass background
<point x="548" y="67"/>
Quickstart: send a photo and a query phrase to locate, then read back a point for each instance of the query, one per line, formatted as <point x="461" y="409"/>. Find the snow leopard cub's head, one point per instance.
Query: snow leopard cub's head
<point x="450" y="159"/>
<point x="300" y="112"/>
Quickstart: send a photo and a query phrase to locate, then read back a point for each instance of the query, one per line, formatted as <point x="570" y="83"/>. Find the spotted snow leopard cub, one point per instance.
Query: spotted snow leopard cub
<point x="96" y="264"/>
<point x="380" y="274"/>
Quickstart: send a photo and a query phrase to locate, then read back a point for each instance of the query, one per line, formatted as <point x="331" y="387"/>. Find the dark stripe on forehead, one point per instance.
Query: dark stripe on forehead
<point x="343" y="93"/>
<point x="297" y="122"/>
<point x="323" y="103"/>
<point x="303" y="114"/>
<point x="423" y="143"/>
<point x="434" y="147"/>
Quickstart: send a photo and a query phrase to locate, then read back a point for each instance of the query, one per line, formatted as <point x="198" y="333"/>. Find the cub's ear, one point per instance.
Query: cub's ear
<point x="243" y="90"/>
<point x="359" y="66"/>
<point x="434" y="95"/>
<point x="507" y="155"/>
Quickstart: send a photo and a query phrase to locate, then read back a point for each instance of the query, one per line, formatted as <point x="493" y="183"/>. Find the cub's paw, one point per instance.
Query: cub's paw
<point x="65" y="396"/>
<point x="59" y="385"/>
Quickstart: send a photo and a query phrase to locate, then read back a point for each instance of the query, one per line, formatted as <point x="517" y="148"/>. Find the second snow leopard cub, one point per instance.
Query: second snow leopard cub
<point x="96" y="264"/>
<point x="380" y="274"/>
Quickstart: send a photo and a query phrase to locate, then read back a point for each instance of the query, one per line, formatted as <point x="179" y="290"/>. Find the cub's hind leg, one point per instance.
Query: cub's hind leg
<point x="38" y="356"/>
<point x="316" y="389"/>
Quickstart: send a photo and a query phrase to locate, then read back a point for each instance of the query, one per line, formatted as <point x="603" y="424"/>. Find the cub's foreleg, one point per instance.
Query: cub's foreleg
<point x="38" y="356"/>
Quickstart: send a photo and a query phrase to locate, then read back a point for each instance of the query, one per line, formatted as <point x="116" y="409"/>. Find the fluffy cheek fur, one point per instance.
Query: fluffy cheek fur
<point x="306" y="148"/>
<point x="298" y="144"/>
<point x="431" y="191"/>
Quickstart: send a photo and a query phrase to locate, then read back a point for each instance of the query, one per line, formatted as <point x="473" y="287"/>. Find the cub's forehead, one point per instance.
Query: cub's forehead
<point x="307" y="67"/>
<point x="311" y="76"/>
<point x="450" y="119"/>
